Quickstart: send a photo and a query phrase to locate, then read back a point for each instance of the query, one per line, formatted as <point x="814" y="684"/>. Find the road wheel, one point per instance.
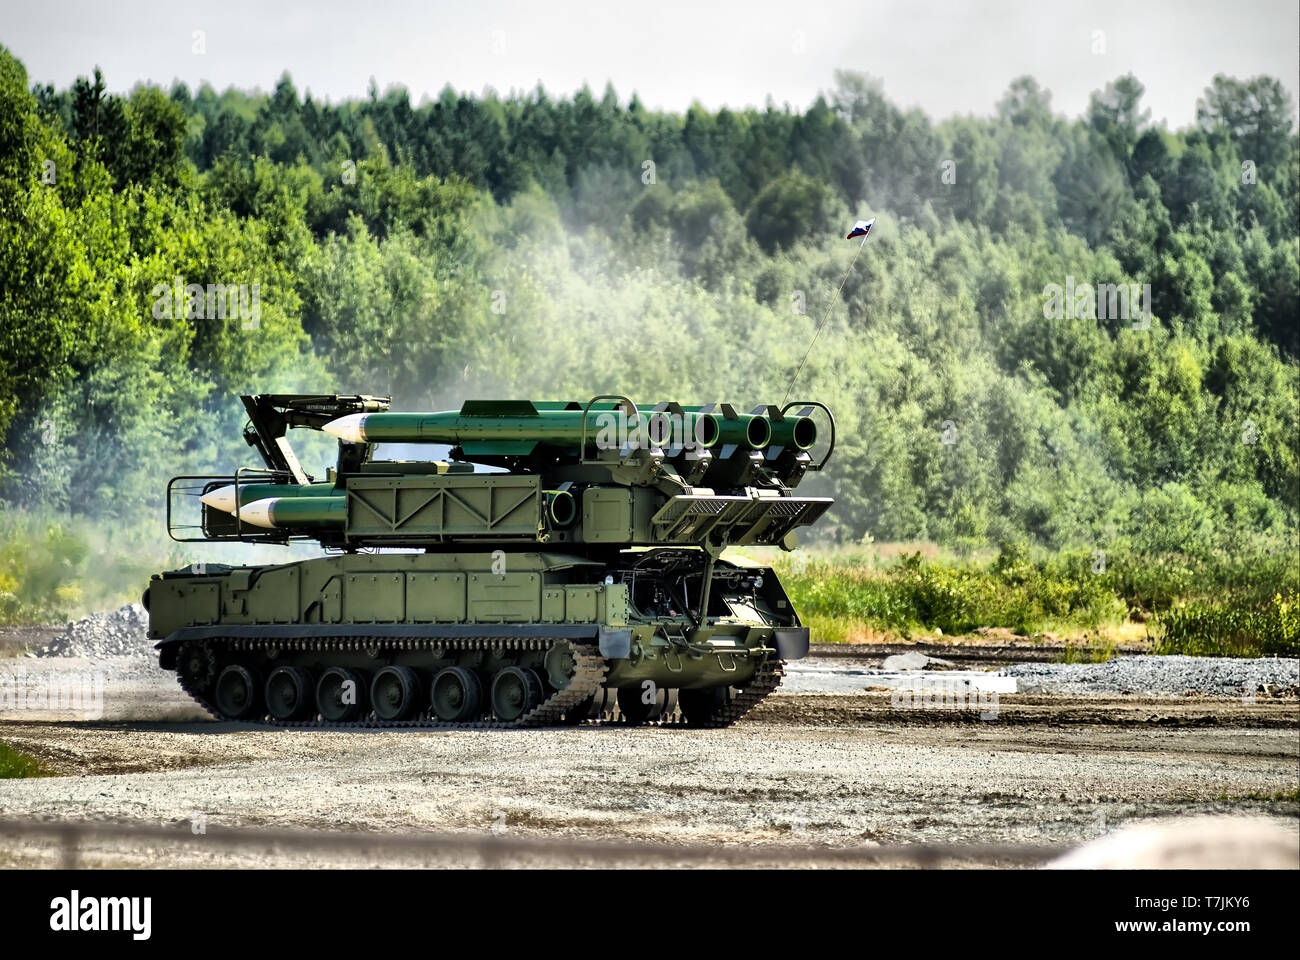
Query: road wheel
<point x="457" y="695"/>
<point x="515" y="691"/>
<point x="341" y="695"/>
<point x="631" y="703"/>
<point x="289" y="693"/>
<point x="238" y="693"/>
<point x="395" y="693"/>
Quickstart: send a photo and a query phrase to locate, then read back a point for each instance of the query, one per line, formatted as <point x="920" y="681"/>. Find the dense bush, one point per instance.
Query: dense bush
<point x="911" y="593"/>
<point x="1233" y="626"/>
<point x="52" y="568"/>
<point x="559" y="248"/>
<point x="1224" y="605"/>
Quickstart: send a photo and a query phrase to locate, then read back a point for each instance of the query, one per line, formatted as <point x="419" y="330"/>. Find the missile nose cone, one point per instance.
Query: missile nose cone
<point x="222" y="498"/>
<point x="258" y="513"/>
<point x="351" y="428"/>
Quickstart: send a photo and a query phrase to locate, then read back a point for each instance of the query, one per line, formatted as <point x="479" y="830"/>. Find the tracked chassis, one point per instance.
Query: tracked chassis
<point x="581" y="699"/>
<point x="543" y="575"/>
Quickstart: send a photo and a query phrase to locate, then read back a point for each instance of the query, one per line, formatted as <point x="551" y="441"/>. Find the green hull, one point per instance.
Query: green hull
<point x="552" y="616"/>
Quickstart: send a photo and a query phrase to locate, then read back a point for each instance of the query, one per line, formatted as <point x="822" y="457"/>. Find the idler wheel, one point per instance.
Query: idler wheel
<point x="457" y="695"/>
<point x="289" y="693"/>
<point x="560" y="664"/>
<point x="515" y="691"/>
<point x="341" y="694"/>
<point x="395" y="693"/>
<point x="238" y="693"/>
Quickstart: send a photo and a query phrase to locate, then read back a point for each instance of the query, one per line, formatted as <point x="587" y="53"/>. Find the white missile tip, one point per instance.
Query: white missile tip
<point x="258" y="513"/>
<point x="222" y="498"/>
<point x="351" y="428"/>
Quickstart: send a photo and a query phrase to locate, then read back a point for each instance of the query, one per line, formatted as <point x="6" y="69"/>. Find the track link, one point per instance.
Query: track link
<point x="766" y="679"/>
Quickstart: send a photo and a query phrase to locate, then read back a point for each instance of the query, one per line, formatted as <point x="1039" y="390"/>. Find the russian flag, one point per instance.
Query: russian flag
<point x="861" y="229"/>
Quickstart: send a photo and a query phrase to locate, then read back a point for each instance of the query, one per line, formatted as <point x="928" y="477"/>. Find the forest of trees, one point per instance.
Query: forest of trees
<point x="555" y="248"/>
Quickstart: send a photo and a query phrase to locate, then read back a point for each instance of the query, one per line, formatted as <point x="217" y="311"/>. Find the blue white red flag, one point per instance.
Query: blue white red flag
<point x="861" y="229"/>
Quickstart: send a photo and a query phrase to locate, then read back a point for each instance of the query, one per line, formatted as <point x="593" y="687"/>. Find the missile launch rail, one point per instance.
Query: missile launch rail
<point x="561" y="563"/>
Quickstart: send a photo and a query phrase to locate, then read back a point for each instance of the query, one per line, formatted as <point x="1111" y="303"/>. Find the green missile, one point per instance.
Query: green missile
<point x="511" y="426"/>
<point x="553" y="427"/>
<point x="280" y="512"/>
<point x="284" y="512"/>
<point x="223" y="498"/>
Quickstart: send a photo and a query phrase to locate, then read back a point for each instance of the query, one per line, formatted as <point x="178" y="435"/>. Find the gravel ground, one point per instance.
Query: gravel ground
<point x="92" y="688"/>
<point x="842" y="675"/>
<point x="754" y="784"/>
<point x="832" y="760"/>
<point x="1171" y="675"/>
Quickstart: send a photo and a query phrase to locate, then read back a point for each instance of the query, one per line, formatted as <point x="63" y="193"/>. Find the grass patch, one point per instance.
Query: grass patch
<point x="1232" y="627"/>
<point x="1099" y="650"/>
<point x="54" y="568"/>
<point x="1218" y="605"/>
<point x="15" y="764"/>
<point x="853" y="594"/>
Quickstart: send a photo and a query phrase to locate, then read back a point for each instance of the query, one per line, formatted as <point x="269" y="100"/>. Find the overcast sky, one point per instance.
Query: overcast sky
<point x="944" y="56"/>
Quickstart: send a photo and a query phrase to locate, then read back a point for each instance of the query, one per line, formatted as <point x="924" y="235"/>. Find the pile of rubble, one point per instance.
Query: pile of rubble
<point x="118" y="633"/>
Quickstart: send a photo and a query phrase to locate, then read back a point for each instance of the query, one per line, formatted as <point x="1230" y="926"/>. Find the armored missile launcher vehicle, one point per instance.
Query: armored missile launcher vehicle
<point x="560" y="564"/>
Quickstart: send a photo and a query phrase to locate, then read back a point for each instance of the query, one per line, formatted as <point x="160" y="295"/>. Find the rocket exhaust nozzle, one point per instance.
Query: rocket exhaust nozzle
<point x="561" y="507"/>
<point x="798" y="432"/>
<point x="744" y="430"/>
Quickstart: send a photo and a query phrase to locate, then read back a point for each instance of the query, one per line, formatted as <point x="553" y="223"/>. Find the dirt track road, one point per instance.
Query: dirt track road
<point x="806" y="769"/>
